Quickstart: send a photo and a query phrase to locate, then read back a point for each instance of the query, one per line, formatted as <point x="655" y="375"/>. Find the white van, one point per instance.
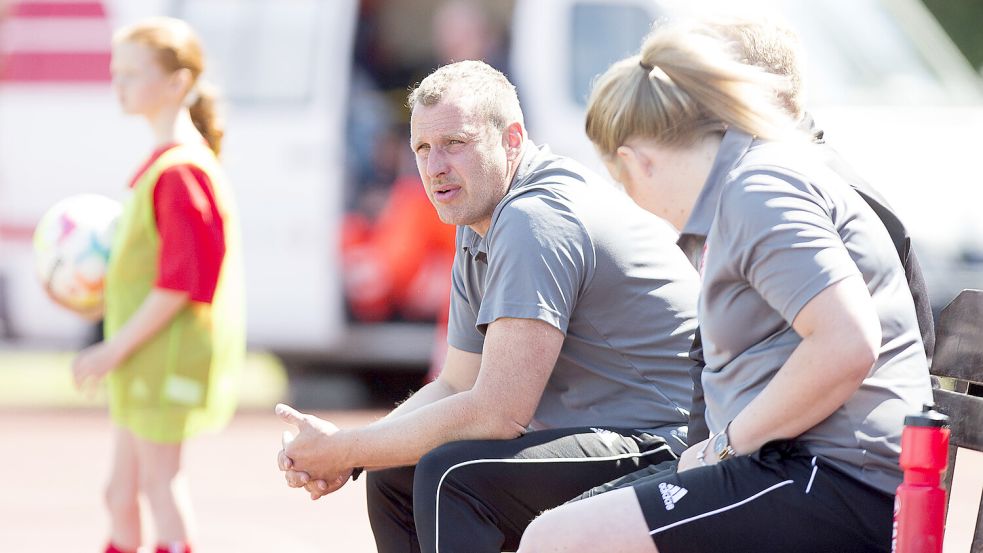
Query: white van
<point x="892" y="92"/>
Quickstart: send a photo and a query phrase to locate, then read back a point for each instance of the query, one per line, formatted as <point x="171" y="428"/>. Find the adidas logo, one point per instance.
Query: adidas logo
<point x="671" y="494"/>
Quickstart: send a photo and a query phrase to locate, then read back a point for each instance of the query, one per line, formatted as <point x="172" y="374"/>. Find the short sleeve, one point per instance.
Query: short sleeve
<point x="781" y="234"/>
<point x="537" y="262"/>
<point x="192" y="238"/>
<point x="461" y="320"/>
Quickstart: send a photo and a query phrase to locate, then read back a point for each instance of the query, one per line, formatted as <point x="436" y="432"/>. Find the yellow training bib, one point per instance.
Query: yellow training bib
<point x="184" y="379"/>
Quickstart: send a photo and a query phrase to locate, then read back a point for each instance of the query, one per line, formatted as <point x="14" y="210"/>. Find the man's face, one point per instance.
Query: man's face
<point x="463" y="162"/>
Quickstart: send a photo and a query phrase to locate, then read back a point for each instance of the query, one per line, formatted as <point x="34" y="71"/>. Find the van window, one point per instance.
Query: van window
<point x="602" y="34"/>
<point x="855" y="52"/>
<point x="258" y="51"/>
<point x="861" y="54"/>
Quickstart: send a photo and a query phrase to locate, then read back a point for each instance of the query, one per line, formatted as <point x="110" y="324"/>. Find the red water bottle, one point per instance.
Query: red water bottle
<point x="919" y="506"/>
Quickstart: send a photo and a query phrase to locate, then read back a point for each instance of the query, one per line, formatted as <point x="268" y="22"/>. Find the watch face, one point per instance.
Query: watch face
<point x="720" y="444"/>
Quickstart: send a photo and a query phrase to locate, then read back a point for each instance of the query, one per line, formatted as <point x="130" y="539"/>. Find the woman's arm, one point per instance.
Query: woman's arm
<point x="785" y="244"/>
<point x="841" y="336"/>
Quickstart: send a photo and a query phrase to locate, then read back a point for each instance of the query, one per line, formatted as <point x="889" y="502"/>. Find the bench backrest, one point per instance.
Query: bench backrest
<point x="959" y="356"/>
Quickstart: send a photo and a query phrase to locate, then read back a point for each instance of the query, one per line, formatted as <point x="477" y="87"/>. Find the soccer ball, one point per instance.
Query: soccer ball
<point x="71" y="249"/>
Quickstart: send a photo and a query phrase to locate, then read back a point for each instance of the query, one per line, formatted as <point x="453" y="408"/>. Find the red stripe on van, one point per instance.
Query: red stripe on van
<point x="16" y="233"/>
<point x="57" y="9"/>
<point x="55" y="67"/>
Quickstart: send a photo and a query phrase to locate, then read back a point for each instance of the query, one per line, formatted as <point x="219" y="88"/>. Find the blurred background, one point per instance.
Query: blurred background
<point x="346" y="261"/>
<point x="347" y="264"/>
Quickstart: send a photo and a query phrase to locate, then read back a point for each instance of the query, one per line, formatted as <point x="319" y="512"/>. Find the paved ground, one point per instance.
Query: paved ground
<point x="54" y="459"/>
<point x="53" y="464"/>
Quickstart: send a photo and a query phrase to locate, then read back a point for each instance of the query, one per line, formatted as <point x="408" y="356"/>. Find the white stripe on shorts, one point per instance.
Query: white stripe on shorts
<point x="722" y="509"/>
<point x="813" y="477"/>
<point x="539" y="460"/>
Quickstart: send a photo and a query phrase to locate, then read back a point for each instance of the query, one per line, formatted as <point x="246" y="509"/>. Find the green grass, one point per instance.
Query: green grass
<point x="43" y="379"/>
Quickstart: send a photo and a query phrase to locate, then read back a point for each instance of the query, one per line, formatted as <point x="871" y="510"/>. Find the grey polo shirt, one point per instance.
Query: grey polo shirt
<point x="693" y="237"/>
<point x="566" y="248"/>
<point x="781" y="233"/>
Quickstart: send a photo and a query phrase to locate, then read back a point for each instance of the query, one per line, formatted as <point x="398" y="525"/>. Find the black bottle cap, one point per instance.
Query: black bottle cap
<point x="928" y="417"/>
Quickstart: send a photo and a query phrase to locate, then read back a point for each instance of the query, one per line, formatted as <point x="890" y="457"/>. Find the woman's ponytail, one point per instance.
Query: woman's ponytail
<point x="684" y="84"/>
<point x="205" y="116"/>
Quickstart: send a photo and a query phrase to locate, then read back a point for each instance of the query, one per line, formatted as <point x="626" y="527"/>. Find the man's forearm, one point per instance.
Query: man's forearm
<point x="426" y="395"/>
<point x="402" y="440"/>
<point x="497" y="395"/>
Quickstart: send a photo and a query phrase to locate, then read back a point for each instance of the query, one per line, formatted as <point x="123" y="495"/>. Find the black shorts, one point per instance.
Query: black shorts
<point x="480" y="495"/>
<point x="780" y="499"/>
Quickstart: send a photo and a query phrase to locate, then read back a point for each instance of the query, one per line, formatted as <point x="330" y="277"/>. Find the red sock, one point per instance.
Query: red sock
<point x="111" y="548"/>
<point x="166" y="549"/>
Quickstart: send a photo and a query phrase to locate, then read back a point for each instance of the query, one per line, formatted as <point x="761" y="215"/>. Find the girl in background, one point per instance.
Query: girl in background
<point x="174" y="323"/>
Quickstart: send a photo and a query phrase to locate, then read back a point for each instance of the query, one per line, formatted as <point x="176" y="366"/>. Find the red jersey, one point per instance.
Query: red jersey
<point x="190" y="226"/>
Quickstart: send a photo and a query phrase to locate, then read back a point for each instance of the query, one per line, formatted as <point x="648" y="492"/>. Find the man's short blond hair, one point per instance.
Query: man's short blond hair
<point x="492" y="96"/>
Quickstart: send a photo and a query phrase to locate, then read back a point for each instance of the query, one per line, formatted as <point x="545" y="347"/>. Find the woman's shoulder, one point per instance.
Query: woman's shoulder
<point x="776" y="168"/>
<point x="776" y="184"/>
<point x="792" y="162"/>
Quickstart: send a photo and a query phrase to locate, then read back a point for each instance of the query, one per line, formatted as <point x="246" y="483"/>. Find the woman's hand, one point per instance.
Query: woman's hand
<point x="690" y="458"/>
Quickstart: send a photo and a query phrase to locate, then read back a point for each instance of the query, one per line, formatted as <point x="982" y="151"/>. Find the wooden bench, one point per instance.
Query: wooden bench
<point x="959" y="356"/>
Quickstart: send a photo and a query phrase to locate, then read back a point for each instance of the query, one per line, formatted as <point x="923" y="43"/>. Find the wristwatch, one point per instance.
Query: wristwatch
<point x="721" y="445"/>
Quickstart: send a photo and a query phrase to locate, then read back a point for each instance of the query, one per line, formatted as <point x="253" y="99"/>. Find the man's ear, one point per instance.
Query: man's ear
<point x="514" y="137"/>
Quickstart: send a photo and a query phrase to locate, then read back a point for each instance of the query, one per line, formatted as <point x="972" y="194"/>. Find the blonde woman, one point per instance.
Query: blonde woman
<point x="809" y="330"/>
